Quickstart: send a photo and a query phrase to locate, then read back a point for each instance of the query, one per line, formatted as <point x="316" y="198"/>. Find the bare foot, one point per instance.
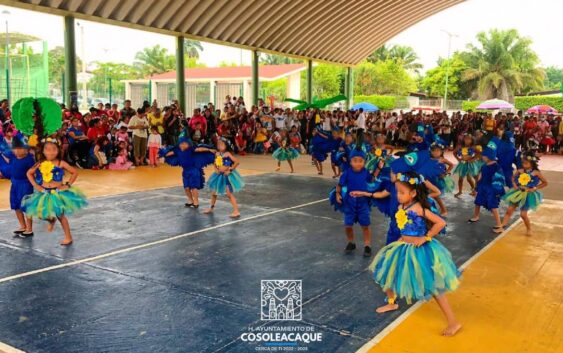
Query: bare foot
<point x="444" y="214"/>
<point x="278" y="169"/>
<point x="208" y="210"/>
<point x="66" y="242"/>
<point x="50" y="226"/>
<point x="458" y="195"/>
<point x="473" y="193"/>
<point x="292" y="171"/>
<point x="529" y="232"/>
<point x="387" y="307"/>
<point x="498" y="230"/>
<point x="320" y="173"/>
<point x="451" y="330"/>
<point x="234" y="215"/>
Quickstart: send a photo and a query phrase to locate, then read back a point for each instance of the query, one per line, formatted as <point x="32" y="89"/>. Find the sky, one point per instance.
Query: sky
<point x="537" y="19"/>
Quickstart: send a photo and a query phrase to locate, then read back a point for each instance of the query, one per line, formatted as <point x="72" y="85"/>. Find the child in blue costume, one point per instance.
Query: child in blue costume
<point x="444" y="181"/>
<point x="19" y="162"/>
<point x="386" y="199"/>
<point x="337" y="144"/>
<point x="467" y="168"/>
<point x="5" y="151"/>
<point x="321" y="145"/>
<point x="419" y="140"/>
<point x="285" y="152"/>
<point x="417" y="266"/>
<point x="490" y="185"/>
<point x="356" y="208"/>
<point x="527" y="181"/>
<point x="506" y="152"/>
<point x="226" y="180"/>
<point x="53" y="199"/>
<point x="380" y="151"/>
<point x="192" y="159"/>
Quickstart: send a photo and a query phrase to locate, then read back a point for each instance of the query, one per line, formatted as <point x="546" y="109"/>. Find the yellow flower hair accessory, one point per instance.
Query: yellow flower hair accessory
<point x="524" y="179"/>
<point x="378" y="152"/>
<point x="219" y="161"/>
<point x="46" y="170"/>
<point x="464" y="151"/>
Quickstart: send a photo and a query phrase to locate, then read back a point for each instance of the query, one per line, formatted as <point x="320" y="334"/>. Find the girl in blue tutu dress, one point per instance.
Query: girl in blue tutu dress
<point x="226" y="180"/>
<point x="444" y="181"/>
<point x="19" y="160"/>
<point x="192" y="159"/>
<point x="466" y="168"/>
<point x="285" y="152"/>
<point x="53" y="199"/>
<point x="490" y="186"/>
<point x="417" y="266"/>
<point x="524" y="194"/>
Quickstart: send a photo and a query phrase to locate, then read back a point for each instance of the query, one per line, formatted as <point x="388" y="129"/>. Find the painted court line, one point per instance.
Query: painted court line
<point x="153" y="243"/>
<point x="393" y="325"/>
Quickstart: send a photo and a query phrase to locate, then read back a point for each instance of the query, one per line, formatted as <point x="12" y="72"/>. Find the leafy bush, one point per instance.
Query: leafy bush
<point x="524" y="103"/>
<point x="470" y="105"/>
<point x="382" y="102"/>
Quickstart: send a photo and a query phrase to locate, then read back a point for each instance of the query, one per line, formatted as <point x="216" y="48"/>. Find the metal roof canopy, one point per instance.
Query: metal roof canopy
<point x="335" y="31"/>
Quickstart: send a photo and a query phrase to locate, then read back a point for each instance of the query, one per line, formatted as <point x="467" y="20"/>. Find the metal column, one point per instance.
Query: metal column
<point x="349" y="87"/>
<point x="180" y="74"/>
<point x="309" y="81"/>
<point x="70" y="60"/>
<point x="255" y="77"/>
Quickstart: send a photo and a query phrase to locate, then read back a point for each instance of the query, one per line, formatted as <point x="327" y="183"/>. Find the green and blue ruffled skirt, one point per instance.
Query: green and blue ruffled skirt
<point x="53" y="203"/>
<point x="220" y="183"/>
<point x="523" y="199"/>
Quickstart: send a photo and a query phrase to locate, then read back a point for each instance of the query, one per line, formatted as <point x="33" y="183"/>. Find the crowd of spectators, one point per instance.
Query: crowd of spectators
<point x="109" y="137"/>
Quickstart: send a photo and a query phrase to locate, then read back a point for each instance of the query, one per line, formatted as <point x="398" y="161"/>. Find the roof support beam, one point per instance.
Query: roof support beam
<point x="349" y="87"/>
<point x="309" y="81"/>
<point x="180" y="74"/>
<point x="70" y="60"/>
<point x="255" y="77"/>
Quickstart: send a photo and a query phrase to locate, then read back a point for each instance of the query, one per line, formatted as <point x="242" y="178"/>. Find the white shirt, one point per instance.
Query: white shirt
<point x="361" y="121"/>
<point x="155" y="140"/>
<point x="280" y="121"/>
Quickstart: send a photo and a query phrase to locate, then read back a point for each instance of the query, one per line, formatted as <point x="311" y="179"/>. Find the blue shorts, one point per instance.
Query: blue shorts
<point x="361" y="216"/>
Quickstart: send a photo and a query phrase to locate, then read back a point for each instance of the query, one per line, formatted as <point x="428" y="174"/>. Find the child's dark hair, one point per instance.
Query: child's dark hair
<point x="421" y="189"/>
<point x="437" y="147"/>
<point x="531" y="157"/>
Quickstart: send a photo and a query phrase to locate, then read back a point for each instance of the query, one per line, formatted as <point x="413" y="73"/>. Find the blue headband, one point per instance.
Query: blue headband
<point x="417" y="180"/>
<point x="357" y="153"/>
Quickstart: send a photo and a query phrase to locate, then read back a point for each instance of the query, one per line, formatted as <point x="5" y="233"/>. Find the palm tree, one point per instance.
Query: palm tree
<point x="154" y="60"/>
<point x="401" y="54"/>
<point x="192" y="48"/>
<point x="272" y="59"/>
<point x="501" y="65"/>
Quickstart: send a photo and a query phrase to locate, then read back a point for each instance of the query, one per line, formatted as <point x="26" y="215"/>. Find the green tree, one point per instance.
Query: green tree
<point x="112" y="72"/>
<point x="327" y="81"/>
<point x="434" y="82"/>
<point x="57" y="66"/>
<point x="382" y="77"/>
<point x="192" y="48"/>
<point x="554" y="77"/>
<point x="502" y="65"/>
<point x="400" y="54"/>
<point x="154" y="60"/>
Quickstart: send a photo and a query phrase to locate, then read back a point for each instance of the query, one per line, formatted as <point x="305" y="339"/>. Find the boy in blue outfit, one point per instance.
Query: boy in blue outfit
<point x="19" y="162"/>
<point x="355" y="209"/>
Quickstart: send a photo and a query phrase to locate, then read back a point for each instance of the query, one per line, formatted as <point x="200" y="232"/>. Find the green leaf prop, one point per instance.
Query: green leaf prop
<point x="23" y="113"/>
<point x="322" y="103"/>
<point x="51" y="114"/>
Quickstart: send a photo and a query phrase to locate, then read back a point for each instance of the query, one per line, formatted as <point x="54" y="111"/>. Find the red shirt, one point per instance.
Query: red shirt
<point x="199" y="119"/>
<point x="95" y="132"/>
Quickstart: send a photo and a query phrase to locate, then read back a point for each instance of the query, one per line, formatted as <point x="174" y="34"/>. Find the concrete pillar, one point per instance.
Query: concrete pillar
<point x="309" y="81"/>
<point x="127" y="90"/>
<point x="70" y="58"/>
<point x="246" y="93"/>
<point x="293" y="87"/>
<point x="180" y="75"/>
<point x="212" y="98"/>
<point x="349" y="87"/>
<point x="255" y="77"/>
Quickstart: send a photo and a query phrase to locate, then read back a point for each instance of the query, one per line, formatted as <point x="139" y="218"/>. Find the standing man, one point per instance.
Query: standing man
<point x="139" y="125"/>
